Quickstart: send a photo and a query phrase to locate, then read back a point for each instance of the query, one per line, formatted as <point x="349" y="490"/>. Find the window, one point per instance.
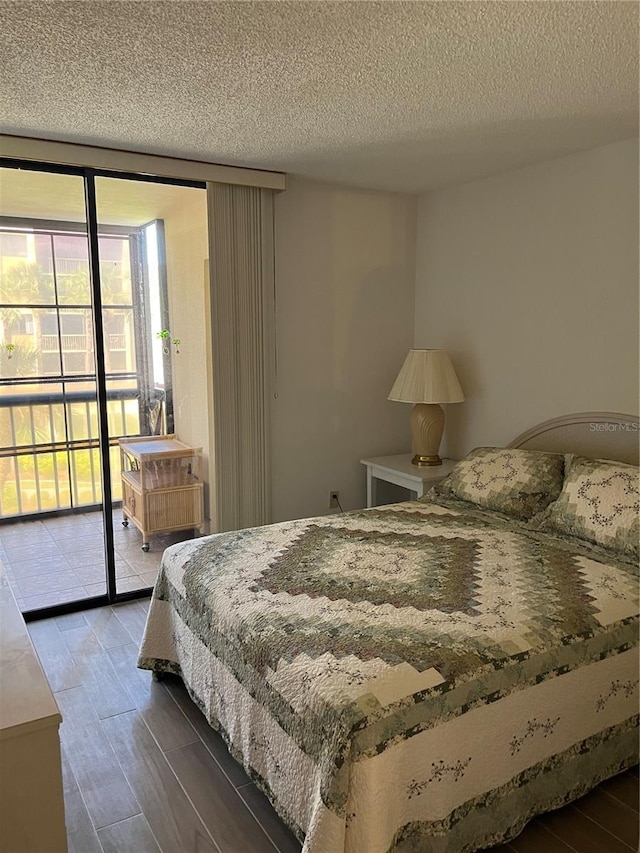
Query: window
<point x="47" y="333"/>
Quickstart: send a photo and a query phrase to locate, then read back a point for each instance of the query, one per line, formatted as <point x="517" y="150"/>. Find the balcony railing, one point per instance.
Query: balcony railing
<point x="49" y="449"/>
<point x="80" y="343"/>
<point x="70" y="343"/>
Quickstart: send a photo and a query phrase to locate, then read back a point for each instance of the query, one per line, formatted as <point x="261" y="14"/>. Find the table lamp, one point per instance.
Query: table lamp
<point x="427" y="378"/>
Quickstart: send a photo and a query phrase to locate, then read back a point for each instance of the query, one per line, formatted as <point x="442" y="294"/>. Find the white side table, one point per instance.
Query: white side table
<point x="400" y="470"/>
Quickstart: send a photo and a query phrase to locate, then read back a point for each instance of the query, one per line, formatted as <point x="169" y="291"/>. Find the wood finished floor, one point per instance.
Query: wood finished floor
<point x="144" y="773"/>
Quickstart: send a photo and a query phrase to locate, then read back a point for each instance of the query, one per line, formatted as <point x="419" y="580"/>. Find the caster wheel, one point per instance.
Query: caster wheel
<point x="145" y="547"/>
<point x="125" y="522"/>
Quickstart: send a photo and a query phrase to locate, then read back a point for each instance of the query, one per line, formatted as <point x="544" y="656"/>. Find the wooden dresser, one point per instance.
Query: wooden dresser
<point x="31" y="795"/>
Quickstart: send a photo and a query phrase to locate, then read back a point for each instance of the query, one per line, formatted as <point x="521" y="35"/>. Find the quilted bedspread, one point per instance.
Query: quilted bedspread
<point x="416" y="677"/>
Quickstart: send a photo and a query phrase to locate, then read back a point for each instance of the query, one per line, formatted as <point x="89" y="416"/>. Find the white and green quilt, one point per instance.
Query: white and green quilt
<point x="417" y="677"/>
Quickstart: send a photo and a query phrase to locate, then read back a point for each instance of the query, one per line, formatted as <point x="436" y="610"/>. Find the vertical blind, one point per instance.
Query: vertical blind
<point x="241" y="234"/>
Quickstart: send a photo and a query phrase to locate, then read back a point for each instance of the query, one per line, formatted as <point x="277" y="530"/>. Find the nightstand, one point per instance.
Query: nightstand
<point x="399" y="470"/>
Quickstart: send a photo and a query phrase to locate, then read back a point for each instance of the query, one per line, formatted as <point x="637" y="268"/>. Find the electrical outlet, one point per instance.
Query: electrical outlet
<point x="334" y="498"/>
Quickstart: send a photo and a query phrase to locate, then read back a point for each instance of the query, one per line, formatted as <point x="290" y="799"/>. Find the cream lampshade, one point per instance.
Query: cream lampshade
<point x="427" y="378"/>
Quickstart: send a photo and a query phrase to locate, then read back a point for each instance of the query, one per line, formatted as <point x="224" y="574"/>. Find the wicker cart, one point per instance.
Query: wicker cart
<point x="161" y="485"/>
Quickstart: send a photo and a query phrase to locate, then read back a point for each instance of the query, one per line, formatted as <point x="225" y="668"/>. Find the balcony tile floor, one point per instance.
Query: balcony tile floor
<point x="61" y="559"/>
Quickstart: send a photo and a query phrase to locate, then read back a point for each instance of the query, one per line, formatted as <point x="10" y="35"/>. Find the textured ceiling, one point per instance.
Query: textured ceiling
<point x="394" y="95"/>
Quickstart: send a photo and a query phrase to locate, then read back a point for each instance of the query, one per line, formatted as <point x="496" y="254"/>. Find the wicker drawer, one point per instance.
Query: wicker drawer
<point x="130" y="498"/>
<point x="173" y="509"/>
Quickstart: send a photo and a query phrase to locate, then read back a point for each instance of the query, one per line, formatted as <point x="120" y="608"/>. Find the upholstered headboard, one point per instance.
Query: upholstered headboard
<point x="598" y="435"/>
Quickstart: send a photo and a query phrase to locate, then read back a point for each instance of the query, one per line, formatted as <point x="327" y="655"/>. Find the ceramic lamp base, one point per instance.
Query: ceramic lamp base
<point x="427" y="426"/>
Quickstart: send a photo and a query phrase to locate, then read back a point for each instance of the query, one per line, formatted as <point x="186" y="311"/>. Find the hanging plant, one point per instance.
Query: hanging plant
<point x="165" y="337"/>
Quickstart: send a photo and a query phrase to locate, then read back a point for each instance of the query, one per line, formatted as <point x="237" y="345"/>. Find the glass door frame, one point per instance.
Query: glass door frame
<point x="112" y="596"/>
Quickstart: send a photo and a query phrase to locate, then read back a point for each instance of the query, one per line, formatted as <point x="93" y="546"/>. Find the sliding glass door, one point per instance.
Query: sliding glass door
<point x="51" y="468"/>
<point x="101" y="325"/>
<point x="153" y="326"/>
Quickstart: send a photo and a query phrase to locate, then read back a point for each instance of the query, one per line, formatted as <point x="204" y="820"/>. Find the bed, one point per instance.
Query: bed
<point x="429" y="675"/>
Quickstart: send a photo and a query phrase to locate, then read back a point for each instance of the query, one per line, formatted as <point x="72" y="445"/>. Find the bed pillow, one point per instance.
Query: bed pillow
<point x="519" y="483"/>
<point x="599" y="502"/>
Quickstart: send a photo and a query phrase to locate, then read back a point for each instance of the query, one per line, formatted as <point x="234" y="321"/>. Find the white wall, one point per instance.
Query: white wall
<point x="345" y="262"/>
<point x="530" y="280"/>
<point x="186" y="237"/>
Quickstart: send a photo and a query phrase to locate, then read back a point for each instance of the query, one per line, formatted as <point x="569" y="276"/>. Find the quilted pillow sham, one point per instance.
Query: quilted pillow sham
<point x="599" y="502"/>
<point x="519" y="483"/>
